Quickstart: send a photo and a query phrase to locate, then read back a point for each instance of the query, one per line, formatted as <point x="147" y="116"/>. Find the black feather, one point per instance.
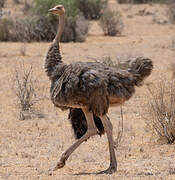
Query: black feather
<point x="79" y="123"/>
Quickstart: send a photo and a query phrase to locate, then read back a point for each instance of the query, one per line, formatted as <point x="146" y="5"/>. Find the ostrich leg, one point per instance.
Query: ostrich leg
<point x="108" y="129"/>
<point x="92" y="130"/>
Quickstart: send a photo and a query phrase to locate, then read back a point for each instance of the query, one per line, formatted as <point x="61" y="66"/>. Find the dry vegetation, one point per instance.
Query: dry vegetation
<point x="161" y="112"/>
<point x="37" y="25"/>
<point x="30" y="147"/>
<point x="92" y="9"/>
<point x="171" y="12"/>
<point x="2" y="3"/>
<point x="111" y="23"/>
<point x="25" y="87"/>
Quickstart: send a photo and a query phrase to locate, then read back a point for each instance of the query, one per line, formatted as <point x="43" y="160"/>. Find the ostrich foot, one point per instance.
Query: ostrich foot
<point x="110" y="170"/>
<point x="59" y="165"/>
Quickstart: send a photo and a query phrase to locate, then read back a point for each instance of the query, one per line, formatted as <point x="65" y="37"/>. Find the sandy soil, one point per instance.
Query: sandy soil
<point x="29" y="148"/>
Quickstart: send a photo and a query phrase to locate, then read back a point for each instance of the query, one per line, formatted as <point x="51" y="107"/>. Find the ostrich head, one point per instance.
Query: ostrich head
<point x="57" y="10"/>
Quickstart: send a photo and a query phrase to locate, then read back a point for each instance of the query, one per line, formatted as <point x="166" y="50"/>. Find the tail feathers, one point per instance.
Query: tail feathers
<point x="79" y="123"/>
<point x="140" y="68"/>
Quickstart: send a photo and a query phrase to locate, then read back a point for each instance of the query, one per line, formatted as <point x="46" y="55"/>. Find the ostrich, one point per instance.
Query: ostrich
<point x="88" y="89"/>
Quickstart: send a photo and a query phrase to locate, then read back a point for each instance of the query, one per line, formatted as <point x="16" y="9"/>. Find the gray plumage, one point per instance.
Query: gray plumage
<point x="88" y="89"/>
<point x="93" y="84"/>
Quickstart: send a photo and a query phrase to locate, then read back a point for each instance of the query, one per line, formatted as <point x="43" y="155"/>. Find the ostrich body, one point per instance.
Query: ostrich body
<point x="88" y="89"/>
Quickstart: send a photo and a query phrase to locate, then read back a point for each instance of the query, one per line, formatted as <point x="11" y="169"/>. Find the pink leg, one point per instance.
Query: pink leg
<point x="92" y="130"/>
<point x="108" y="129"/>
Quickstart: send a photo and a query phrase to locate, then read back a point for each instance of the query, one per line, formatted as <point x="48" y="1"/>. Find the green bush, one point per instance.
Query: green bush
<point x="73" y="29"/>
<point x="41" y="26"/>
<point x="92" y="9"/>
<point x="111" y="23"/>
<point x="41" y="7"/>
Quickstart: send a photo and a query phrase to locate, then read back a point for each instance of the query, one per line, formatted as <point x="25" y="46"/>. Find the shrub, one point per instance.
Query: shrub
<point x="172" y="68"/>
<point x="20" y="30"/>
<point x="111" y="23"/>
<point x="173" y="42"/>
<point x="92" y="9"/>
<point x="140" y="1"/>
<point x="27" y="7"/>
<point x="5" y="26"/>
<point x="81" y="28"/>
<point x="124" y="1"/>
<point x="2" y="2"/>
<point x="24" y="86"/>
<point x="43" y="27"/>
<point x="40" y="28"/>
<point x="29" y="29"/>
<point x="161" y="111"/>
<point x="41" y="7"/>
<point x="76" y="27"/>
<point x="16" y="1"/>
<point x="171" y="11"/>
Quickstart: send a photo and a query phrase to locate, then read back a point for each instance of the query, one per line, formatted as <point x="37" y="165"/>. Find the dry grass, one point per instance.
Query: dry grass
<point x="172" y="69"/>
<point x="111" y="23"/>
<point x="23" y="50"/>
<point x="161" y="112"/>
<point x="173" y="43"/>
<point x="171" y="11"/>
<point x="171" y="170"/>
<point x="25" y="88"/>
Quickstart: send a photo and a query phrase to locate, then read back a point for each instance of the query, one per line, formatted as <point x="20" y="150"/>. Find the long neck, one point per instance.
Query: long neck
<point x="60" y="29"/>
<point x="53" y="62"/>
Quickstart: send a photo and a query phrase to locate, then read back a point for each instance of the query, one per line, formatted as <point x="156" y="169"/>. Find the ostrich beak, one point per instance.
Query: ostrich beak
<point x="52" y="10"/>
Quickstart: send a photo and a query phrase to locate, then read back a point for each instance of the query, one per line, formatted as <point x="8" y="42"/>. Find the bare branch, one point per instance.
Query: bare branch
<point x="161" y="112"/>
<point x="24" y="86"/>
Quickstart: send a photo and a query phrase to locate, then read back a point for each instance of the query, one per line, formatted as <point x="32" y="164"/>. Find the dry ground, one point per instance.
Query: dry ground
<point x="29" y="148"/>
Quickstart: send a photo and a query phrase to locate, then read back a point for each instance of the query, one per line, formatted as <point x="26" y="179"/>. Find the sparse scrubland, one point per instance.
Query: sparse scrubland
<point x="33" y="133"/>
<point x="38" y="25"/>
